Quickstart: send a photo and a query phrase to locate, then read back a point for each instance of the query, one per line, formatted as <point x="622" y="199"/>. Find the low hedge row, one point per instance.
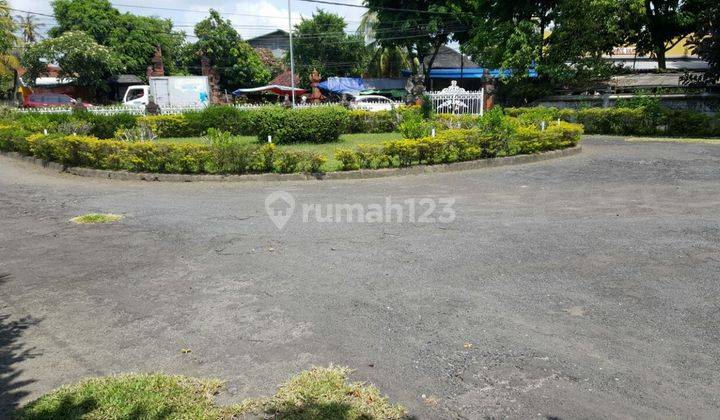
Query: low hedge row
<point x="88" y="151"/>
<point x="315" y="125"/>
<point x="628" y="121"/>
<point x="457" y="145"/>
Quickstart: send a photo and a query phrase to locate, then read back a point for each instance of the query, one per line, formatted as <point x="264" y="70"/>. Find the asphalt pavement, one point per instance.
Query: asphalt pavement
<point x="585" y="286"/>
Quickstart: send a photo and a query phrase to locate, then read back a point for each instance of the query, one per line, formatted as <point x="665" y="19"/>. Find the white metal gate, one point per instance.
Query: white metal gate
<point x="456" y="100"/>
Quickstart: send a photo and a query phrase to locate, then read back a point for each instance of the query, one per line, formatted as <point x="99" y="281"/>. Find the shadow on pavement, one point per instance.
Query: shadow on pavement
<point x="13" y="351"/>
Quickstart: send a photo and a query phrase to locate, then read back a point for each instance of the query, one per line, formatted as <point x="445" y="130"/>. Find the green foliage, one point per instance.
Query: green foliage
<point x="128" y="396"/>
<point x="414" y="126"/>
<point x="320" y="43"/>
<point x="131" y="37"/>
<point x="171" y="126"/>
<point x="322" y="393"/>
<point x="105" y="126"/>
<point x="360" y="121"/>
<point x="457" y="145"/>
<point x="305" y="125"/>
<point x="224" y="118"/>
<point x="236" y="61"/>
<point x="658" y="25"/>
<point x="223" y="155"/>
<point x="432" y="26"/>
<point x="78" y="55"/>
<point x="705" y="39"/>
<point x="638" y="120"/>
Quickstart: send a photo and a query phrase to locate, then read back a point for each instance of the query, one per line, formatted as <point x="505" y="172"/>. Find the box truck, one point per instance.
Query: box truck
<point x="171" y="91"/>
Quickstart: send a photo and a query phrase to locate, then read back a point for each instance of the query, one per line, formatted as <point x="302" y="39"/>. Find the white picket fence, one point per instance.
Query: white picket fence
<point x="456" y="100"/>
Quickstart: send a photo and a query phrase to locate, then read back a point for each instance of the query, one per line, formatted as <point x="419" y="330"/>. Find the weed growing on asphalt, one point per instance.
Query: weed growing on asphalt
<point x="95" y="218"/>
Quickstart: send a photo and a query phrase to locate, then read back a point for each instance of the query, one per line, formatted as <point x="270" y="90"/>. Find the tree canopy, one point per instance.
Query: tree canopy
<point x="235" y="60"/>
<point x="133" y="38"/>
<point x="419" y="27"/>
<point x="321" y="43"/>
<point x="78" y="55"/>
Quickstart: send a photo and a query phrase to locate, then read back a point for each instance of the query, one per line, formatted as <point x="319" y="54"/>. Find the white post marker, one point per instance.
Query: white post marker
<point x="269" y="139"/>
<point x="433" y="132"/>
<point x="542" y="126"/>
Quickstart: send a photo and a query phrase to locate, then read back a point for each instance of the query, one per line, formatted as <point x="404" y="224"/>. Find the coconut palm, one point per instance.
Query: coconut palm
<point x="386" y="61"/>
<point x="29" y="28"/>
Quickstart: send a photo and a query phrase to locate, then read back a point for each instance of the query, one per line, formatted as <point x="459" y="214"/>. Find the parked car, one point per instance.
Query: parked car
<point x="43" y="100"/>
<point x="372" y="103"/>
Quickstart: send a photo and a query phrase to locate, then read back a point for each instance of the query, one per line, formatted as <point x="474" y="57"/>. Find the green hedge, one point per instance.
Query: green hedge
<point x="303" y="125"/>
<point x="457" y="145"/>
<point x="87" y="151"/>
<point x="641" y="121"/>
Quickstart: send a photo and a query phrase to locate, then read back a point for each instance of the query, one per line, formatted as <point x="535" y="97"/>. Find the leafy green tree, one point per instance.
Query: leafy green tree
<point x="236" y="61"/>
<point x="705" y="40"/>
<point x="8" y="47"/>
<point x="419" y="27"/>
<point x="134" y="38"/>
<point x="659" y="26"/>
<point x="79" y="57"/>
<point x="321" y="43"/>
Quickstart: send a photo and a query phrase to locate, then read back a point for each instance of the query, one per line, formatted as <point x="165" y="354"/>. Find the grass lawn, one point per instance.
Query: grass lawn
<point x="320" y="393"/>
<point x="327" y="149"/>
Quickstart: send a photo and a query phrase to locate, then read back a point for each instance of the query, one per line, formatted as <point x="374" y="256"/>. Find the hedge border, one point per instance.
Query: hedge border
<point x="340" y="175"/>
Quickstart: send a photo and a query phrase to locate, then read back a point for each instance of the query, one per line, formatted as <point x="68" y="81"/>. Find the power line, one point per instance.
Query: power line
<point x="389" y="9"/>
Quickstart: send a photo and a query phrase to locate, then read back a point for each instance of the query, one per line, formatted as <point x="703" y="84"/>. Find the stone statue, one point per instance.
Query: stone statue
<point x="316" y="96"/>
<point x="415" y="88"/>
<point x="152" y="108"/>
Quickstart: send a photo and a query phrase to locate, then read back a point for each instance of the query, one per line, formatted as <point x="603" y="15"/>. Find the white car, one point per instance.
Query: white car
<point x="372" y="103"/>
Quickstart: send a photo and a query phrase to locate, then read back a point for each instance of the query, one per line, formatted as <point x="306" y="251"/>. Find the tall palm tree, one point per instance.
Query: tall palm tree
<point x="386" y="61"/>
<point x="29" y="28"/>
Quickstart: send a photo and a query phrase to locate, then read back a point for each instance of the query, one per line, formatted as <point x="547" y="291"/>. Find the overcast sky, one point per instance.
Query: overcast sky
<point x="267" y="14"/>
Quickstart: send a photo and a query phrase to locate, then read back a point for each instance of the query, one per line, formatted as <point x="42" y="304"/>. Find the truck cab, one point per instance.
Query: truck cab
<point x="137" y="95"/>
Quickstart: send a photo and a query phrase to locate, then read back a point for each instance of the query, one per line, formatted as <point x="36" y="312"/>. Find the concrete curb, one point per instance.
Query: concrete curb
<point x="359" y="174"/>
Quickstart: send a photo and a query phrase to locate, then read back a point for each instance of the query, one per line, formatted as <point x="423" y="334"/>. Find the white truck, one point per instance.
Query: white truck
<point x="170" y="91"/>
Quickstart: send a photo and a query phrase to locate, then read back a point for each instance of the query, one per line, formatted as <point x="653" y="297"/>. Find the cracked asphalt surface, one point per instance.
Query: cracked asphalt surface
<point x="584" y="286"/>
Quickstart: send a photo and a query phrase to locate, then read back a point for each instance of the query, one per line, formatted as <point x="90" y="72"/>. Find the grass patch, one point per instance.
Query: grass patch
<point x="672" y="140"/>
<point x="323" y="393"/>
<point x="95" y="218"/>
<point x="320" y="393"/>
<point x="128" y="397"/>
<point x="326" y="149"/>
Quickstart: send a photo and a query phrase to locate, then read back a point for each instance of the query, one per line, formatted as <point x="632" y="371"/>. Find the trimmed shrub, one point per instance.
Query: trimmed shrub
<point x="221" y="157"/>
<point x="305" y="125"/>
<point x="171" y="126"/>
<point x="13" y="139"/>
<point x="459" y="145"/>
<point x="360" y="121"/>
<point x="105" y="126"/>
<point x="224" y="118"/>
<point x="638" y="120"/>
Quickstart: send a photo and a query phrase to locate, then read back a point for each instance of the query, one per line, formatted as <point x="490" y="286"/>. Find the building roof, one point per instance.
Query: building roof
<point x="448" y="58"/>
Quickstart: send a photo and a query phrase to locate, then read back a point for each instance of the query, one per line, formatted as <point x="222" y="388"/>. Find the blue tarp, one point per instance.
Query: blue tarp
<point x="473" y="73"/>
<point x="351" y="85"/>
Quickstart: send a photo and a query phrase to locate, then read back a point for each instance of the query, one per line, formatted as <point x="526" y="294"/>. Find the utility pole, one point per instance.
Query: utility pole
<point x="292" y="58"/>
